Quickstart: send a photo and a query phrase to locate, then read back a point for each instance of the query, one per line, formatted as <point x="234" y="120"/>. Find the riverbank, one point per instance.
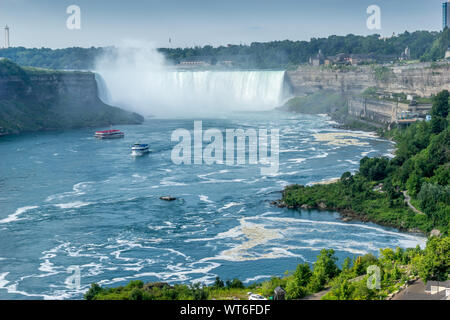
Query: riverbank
<point x="376" y="209"/>
<point x="333" y="105"/>
<point x="324" y="281"/>
<point x="382" y="189"/>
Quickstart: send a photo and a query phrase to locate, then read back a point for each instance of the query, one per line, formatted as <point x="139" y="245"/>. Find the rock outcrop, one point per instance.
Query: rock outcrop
<point x="422" y="79"/>
<point x="37" y="99"/>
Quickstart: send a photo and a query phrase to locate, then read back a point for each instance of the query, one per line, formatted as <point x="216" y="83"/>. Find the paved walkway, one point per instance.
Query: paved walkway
<point x="416" y="291"/>
<point x="320" y="294"/>
<point x="408" y="201"/>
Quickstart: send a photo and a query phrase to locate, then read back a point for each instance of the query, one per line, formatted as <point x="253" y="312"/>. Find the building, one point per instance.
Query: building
<point x="357" y="59"/>
<point x="6" y="37"/>
<point x="317" y="60"/>
<point x="438" y="287"/>
<point x="432" y="290"/>
<point x="406" y="55"/>
<point x="446" y="15"/>
<point x="196" y="61"/>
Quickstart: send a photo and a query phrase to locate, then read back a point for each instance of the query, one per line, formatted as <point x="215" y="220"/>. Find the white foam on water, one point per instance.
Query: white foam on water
<point x="406" y="236"/>
<point x="319" y="156"/>
<point x="366" y="153"/>
<point x="229" y="205"/>
<point x="205" y="198"/>
<point x="72" y="205"/>
<point x="292" y="173"/>
<point x="168" y="182"/>
<point x="298" y="160"/>
<point x="352" y="162"/>
<point x="16" y="214"/>
<point x="77" y="190"/>
<point x="256" y="278"/>
<point x="3" y="281"/>
<point x="265" y="190"/>
<point x="138" y="177"/>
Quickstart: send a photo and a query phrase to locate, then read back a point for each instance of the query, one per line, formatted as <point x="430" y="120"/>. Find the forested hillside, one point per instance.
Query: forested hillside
<point x="424" y="45"/>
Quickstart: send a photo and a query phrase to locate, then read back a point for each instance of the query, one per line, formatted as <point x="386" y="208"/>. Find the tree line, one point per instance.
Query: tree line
<point x="424" y="45"/>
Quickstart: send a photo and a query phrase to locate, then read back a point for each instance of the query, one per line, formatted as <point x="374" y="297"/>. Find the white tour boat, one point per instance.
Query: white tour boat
<point x="139" y="149"/>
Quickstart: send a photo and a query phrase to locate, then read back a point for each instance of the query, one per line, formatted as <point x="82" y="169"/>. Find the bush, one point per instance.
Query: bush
<point x="235" y="284"/>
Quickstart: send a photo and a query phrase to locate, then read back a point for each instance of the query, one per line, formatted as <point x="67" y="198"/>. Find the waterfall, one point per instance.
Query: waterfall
<point x="102" y="89"/>
<point x="233" y="89"/>
<point x="175" y="92"/>
<point x="137" y="77"/>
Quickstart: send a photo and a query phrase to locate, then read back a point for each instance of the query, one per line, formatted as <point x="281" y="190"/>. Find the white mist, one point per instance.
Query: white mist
<point x="138" y="78"/>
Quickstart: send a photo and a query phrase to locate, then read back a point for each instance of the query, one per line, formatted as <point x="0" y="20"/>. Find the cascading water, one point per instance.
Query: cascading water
<point x="182" y="92"/>
<point x="142" y="82"/>
<point x="103" y="92"/>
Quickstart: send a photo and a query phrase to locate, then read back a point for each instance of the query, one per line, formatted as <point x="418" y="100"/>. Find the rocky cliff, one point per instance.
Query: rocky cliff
<point x="422" y="80"/>
<point x="417" y="79"/>
<point x="35" y="99"/>
<point x="375" y="110"/>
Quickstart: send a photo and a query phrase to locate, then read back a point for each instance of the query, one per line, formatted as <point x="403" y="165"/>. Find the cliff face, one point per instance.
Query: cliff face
<point x="375" y="110"/>
<point x="33" y="100"/>
<point x="418" y="79"/>
<point x="421" y="80"/>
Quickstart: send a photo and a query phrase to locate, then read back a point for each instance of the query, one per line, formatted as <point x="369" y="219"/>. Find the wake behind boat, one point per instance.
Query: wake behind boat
<point x="109" y="134"/>
<point x="139" y="149"/>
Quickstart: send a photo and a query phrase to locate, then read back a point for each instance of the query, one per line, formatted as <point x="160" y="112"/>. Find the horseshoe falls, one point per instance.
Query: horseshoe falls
<point x="172" y="92"/>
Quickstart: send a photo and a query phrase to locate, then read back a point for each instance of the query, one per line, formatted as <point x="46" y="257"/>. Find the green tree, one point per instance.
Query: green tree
<point x="347" y="265"/>
<point x="93" y="291"/>
<point x="218" y="283"/>
<point x="439" y="112"/>
<point x="325" y="268"/>
<point x="435" y="263"/>
<point x="302" y="274"/>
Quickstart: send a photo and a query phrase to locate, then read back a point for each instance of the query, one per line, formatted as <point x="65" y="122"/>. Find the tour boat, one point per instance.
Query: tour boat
<point x="109" y="134"/>
<point x="139" y="149"/>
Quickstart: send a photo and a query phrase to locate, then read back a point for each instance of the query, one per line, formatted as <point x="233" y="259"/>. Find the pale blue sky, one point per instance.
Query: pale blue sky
<point x="42" y="23"/>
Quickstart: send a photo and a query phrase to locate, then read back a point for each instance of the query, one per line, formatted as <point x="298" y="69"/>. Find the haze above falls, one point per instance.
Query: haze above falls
<point x="138" y="78"/>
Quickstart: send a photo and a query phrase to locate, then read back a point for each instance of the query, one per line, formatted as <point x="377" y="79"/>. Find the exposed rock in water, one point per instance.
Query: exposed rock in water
<point x="279" y="203"/>
<point x="322" y="205"/>
<point x="168" y="198"/>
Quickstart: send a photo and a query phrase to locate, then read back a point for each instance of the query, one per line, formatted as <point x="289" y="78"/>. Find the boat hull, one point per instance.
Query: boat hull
<point x="116" y="136"/>
<point x="138" y="153"/>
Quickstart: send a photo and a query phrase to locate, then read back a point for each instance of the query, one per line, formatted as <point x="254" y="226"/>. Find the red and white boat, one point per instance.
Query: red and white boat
<point x="109" y="134"/>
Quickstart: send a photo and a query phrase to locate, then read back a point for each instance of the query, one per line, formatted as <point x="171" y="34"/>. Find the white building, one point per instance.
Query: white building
<point x="6" y="37"/>
<point x="439" y="288"/>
